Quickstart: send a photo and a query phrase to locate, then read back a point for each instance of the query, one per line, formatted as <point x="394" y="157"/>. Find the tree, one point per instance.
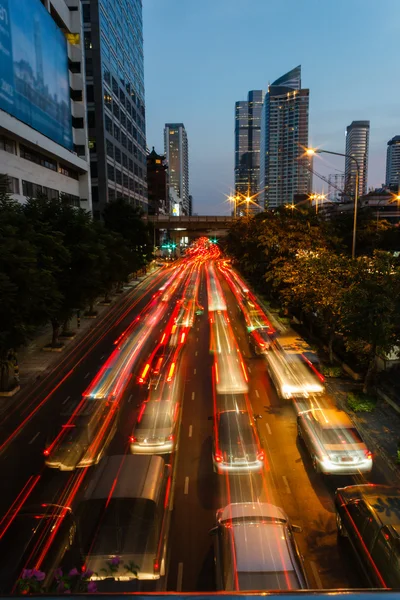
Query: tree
<point x="369" y="317"/>
<point x="124" y="219"/>
<point x="27" y="288"/>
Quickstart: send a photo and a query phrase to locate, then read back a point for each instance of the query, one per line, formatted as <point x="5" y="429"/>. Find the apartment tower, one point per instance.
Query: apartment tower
<point x="357" y="145"/>
<point x="284" y="167"/>
<point x="177" y="154"/>
<point x="393" y="163"/>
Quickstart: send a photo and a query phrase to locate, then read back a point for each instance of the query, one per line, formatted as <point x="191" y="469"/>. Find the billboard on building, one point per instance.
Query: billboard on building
<point x="34" y="79"/>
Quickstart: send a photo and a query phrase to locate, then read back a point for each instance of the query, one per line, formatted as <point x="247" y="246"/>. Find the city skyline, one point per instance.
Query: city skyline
<point x="210" y="80"/>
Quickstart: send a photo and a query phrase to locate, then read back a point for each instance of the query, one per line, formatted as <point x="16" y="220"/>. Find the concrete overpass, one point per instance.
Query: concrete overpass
<point x="198" y="223"/>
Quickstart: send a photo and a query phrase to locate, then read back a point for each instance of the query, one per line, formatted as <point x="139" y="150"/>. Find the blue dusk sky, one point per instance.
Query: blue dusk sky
<point x="201" y="56"/>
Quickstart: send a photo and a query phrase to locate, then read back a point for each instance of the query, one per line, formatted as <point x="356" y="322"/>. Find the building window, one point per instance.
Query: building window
<point x="93" y="169"/>
<point x="86" y="13"/>
<point x="38" y="158"/>
<point x="131" y="165"/>
<point x="109" y="149"/>
<point x="92" y="145"/>
<point x="118" y="176"/>
<point x="116" y="132"/>
<point x="89" y="67"/>
<point x="74" y="67"/>
<point x="108" y="101"/>
<point x="89" y="93"/>
<point x="12" y="185"/>
<point x="123" y="119"/>
<point x="118" y="155"/>
<point x="70" y="199"/>
<point x="64" y="170"/>
<point x="115" y="87"/>
<point x="91" y="119"/>
<point x="88" y="39"/>
<point x="77" y="122"/>
<point x="7" y="145"/>
<point x="125" y="180"/>
<point x="30" y="190"/>
<point x="111" y="194"/>
<point x="110" y="172"/>
<point x="106" y="75"/>
<point x="108" y="124"/>
<point x="75" y="95"/>
<point x="124" y="140"/>
<point x="124" y="160"/>
<point x="116" y="110"/>
<point x="80" y="150"/>
<point x="50" y="193"/>
<point x="95" y="194"/>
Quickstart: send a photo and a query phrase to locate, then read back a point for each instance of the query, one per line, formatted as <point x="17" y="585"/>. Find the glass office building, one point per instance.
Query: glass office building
<point x="177" y="153"/>
<point x="113" y="32"/>
<point x="247" y="146"/>
<point x="284" y="167"/>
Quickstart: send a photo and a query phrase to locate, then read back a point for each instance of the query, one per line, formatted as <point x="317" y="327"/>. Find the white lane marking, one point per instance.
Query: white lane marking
<point x="196" y="353"/>
<point x="186" y="488"/>
<point x="268" y="428"/>
<point x="316" y="574"/>
<point x="87" y="375"/>
<point x="248" y="368"/>
<point x="179" y="578"/>
<point x="285" y="481"/>
<point x="193" y="395"/>
<point x="66" y="400"/>
<point x="130" y="398"/>
<point x="34" y="438"/>
<point x="256" y="393"/>
<point x="194" y="371"/>
<point x="190" y="430"/>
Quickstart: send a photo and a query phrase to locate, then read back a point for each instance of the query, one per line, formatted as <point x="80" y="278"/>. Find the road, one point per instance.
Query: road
<point x="288" y="478"/>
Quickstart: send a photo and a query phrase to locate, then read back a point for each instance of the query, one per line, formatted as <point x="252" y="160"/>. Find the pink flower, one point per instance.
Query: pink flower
<point x="26" y="573"/>
<point x="38" y="575"/>
<point x="58" y="573"/>
<point x="73" y="572"/>
<point x="92" y="587"/>
<point x="115" y="561"/>
<point x="87" y="574"/>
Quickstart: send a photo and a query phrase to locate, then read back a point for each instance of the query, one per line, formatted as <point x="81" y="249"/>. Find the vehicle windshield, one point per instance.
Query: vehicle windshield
<point x="340" y="435"/>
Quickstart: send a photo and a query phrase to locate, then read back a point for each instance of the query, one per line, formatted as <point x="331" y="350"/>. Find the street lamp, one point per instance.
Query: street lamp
<point x="312" y="152"/>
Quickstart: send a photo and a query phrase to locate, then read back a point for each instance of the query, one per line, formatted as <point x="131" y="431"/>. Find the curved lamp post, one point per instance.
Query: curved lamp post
<point x="312" y="152"/>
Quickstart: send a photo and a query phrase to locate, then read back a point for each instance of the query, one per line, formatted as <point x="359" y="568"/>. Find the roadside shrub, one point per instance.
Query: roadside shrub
<point x="359" y="402"/>
<point x="330" y="371"/>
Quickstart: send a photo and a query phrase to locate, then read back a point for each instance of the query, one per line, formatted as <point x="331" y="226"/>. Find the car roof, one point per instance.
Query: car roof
<point x="331" y="417"/>
<point x="382" y="500"/>
<point x="247" y="510"/>
<point x="262" y="547"/>
<point x="128" y="476"/>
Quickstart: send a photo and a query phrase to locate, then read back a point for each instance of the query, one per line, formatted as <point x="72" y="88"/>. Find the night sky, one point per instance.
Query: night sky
<point x="203" y="55"/>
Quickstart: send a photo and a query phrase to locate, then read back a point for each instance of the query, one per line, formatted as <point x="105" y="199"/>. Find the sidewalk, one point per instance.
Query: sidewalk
<point x="34" y="362"/>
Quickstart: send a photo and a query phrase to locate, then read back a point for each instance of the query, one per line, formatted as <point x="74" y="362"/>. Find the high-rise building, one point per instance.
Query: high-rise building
<point x="113" y="32"/>
<point x="157" y="184"/>
<point x="247" y="145"/>
<point x="43" y="128"/>
<point x="190" y="204"/>
<point x="177" y="153"/>
<point x="393" y="162"/>
<point x="357" y="145"/>
<point x="284" y="166"/>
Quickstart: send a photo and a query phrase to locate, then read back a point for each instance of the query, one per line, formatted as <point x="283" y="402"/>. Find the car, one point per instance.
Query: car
<point x="260" y="340"/>
<point x="125" y="513"/>
<point x="236" y="447"/>
<point x="333" y="442"/>
<point x="368" y="516"/>
<point x="34" y="535"/>
<point x="292" y="376"/>
<point x="156" y="429"/>
<point x="255" y="549"/>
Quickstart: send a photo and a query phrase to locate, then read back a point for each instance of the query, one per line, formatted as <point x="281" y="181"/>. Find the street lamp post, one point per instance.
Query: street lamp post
<point x="312" y="152"/>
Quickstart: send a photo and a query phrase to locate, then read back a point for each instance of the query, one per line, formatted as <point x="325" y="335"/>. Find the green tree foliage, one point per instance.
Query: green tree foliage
<point x="124" y="219"/>
<point x="55" y="259"/>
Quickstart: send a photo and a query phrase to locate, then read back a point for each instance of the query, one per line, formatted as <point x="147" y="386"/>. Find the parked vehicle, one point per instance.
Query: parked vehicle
<point x="255" y="549"/>
<point x="369" y="517"/>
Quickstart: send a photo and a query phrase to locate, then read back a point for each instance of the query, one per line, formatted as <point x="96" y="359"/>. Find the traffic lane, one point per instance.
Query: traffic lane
<point x="302" y="493"/>
<point x="24" y="456"/>
<point x="196" y="492"/>
<point x="32" y="395"/>
<point x="99" y="339"/>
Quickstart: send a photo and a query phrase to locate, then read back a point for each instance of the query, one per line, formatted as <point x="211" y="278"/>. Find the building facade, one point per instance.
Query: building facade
<point x="177" y="153"/>
<point x="113" y="34"/>
<point x="157" y="184"/>
<point x="43" y="128"/>
<point x="247" y="146"/>
<point x="393" y="162"/>
<point x="357" y="145"/>
<point x="284" y="166"/>
<point x="335" y="187"/>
